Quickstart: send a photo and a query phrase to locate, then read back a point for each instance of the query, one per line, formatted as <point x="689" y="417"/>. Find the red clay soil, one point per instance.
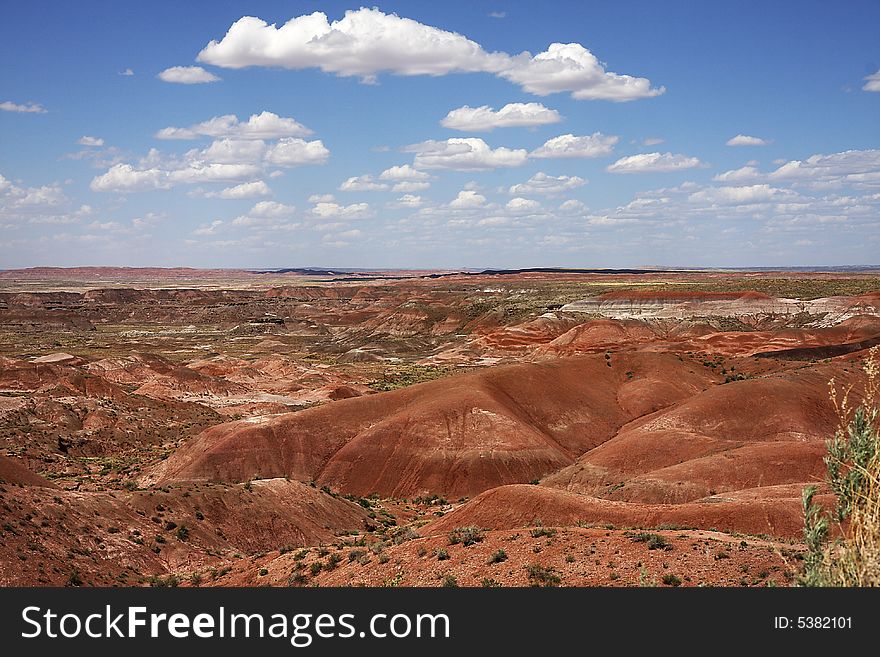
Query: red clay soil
<point x="456" y="436"/>
<point x="743" y="434"/>
<point x="113" y="538"/>
<point x="13" y="471"/>
<point x="570" y="556"/>
<point x="523" y="505"/>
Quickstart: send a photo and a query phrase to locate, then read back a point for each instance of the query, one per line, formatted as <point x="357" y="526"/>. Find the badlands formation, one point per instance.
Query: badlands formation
<point x="196" y="428"/>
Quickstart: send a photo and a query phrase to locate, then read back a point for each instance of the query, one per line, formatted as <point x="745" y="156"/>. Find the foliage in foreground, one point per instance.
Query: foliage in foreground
<point x="853" y="473"/>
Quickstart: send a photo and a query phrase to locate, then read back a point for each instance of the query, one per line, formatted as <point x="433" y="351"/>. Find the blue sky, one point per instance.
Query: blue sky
<point x="424" y="134"/>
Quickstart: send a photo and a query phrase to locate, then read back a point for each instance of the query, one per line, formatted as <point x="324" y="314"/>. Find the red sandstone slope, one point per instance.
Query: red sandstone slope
<point x="515" y="506"/>
<point x="455" y="436"/>
<point x="744" y="434"/>
<point x="13" y="471"/>
<point x="113" y="538"/>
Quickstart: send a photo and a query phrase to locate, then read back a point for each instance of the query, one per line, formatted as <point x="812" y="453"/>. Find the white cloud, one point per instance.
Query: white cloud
<point x="232" y="151"/>
<point x="208" y="229"/>
<point x="470" y="154"/>
<point x="746" y="140"/>
<point x="541" y="183"/>
<point x="187" y="75"/>
<point x="572" y="206"/>
<point x="410" y="186"/>
<point x="363" y="43"/>
<point x="362" y="184"/>
<point x="149" y="219"/>
<point x="571" y="67"/>
<point x="292" y="152"/>
<point x="595" y="145"/>
<point x="743" y="195"/>
<point x="26" y="108"/>
<point x="244" y="190"/>
<point x="743" y="174"/>
<point x="329" y="210"/>
<point x="403" y="173"/>
<point x="653" y="163"/>
<point x="366" y="42"/>
<point x="90" y="141"/>
<point x="522" y="206"/>
<point x="126" y="178"/>
<point x="872" y="82"/>
<point x="271" y="209"/>
<point x="858" y="167"/>
<point x="268" y="215"/>
<point x="497" y="14"/>
<point x="34" y="204"/>
<point x="127" y="72"/>
<point x="467" y="200"/>
<point x="486" y="119"/>
<point x="652" y="141"/>
<point x="408" y="201"/>
<point x="265" y="125"/>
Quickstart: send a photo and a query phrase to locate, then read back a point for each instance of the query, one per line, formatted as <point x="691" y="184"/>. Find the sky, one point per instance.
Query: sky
<point x="424" y="135"/>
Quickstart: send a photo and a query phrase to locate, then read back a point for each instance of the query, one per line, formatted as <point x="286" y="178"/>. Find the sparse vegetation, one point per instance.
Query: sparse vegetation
<point x="498" y="556"/>
<point x="853" y="474"/>
<point x="466" y="536"/>
<point x="542" y="575"/>
<point x="671" y="580"/>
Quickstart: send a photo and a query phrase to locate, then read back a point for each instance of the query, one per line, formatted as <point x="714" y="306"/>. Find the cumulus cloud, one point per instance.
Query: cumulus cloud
<point x="231" y="151"/>
<point x="362" y="184"/>
<point x="46" y="204"/>
<point x="127" y="178"/>
<point x="742" y="174"/>
<point x="572" y="206"/>
<point x="272" y="209"/>
<point x="746" y="140"/>
<point x="469" y="154"/>
<point x="408" y="201"/>
<point x="253" y="189"/>
<point x="571" y="67"/>
<point x="858" y="167"/>
<point x="653" y="163"/>
<point x="265" y="125"/>
<point x="330" y="210"/>
<point x="741" y="195"/>
<point x="25" y="108"/>
<point x="486" y="119"/>
<point x="541" y="183"/>
<point x="294" y="152"/>
<point x="467" y="199"/>
<point x="872" y="82"/>
<point x="187" y="75"/>
<point x="520" y="205"/>
<point x="268" y="215"/>
<point x="90" y="141"/>
<point x="366" y="42"/>
<point x="403" y="173"/>
<point x="410" y="186"/>
<point x="595" y="145"/>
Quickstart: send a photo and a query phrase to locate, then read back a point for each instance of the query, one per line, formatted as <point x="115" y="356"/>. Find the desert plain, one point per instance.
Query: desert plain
<point x="179" y="427"/>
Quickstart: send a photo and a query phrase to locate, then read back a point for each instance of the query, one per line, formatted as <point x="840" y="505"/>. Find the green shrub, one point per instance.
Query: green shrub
<point x="498" y="556"/>
<point x="466" y="536"/>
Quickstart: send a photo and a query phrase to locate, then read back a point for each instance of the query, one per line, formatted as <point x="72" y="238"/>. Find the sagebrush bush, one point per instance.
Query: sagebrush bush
<point x="853" y="474"/>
